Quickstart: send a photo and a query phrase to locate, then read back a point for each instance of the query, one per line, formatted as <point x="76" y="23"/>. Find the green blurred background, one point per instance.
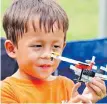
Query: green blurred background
<point x="83" y="18"/>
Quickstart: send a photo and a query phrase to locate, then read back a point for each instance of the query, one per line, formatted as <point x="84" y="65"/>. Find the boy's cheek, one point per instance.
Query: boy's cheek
<point x="57" y="64"/>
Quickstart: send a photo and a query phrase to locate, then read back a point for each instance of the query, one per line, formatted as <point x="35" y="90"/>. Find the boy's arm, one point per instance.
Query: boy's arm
<point x="7" y="95"/>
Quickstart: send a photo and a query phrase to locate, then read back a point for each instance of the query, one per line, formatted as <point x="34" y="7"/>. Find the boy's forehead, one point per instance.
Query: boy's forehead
<point x="57" y="34"/>
<point x="34" y="24"/>
<point x="40" y="36"/>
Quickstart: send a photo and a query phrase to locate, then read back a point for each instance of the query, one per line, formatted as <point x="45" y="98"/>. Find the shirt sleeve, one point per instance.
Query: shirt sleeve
<point x="7" y="95"/>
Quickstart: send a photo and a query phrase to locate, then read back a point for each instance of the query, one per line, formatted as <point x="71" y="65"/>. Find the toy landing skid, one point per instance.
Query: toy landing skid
<point x="83" y="70"/>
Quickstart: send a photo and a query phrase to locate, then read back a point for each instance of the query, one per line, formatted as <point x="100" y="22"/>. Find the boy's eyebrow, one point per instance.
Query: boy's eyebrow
<point x="57" y="41"/>
<point x="42" y="40"/>
<point x="36" y="40"/>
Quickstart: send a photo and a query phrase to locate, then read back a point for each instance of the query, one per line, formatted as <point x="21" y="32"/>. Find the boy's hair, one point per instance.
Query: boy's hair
<point x="16" y="18"/>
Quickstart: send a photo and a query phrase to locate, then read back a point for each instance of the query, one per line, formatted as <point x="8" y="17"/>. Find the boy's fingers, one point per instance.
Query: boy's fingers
<point x="99" y="79"/>
<point x="80" y="99"/>
<point x="99" y="84"/>
<point x="96" y="90"/>
<point x="75" y="89"/>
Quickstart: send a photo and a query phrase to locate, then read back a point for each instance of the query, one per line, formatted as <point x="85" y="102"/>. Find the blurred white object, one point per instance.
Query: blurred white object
<point x="102" y="18"/>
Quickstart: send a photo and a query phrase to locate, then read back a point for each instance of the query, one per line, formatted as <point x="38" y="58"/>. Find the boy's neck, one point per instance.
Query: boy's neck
<point x="22" y="76"/>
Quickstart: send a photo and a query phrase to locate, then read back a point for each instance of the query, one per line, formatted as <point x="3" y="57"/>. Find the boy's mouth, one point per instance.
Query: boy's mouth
<point x="45" y="66"/>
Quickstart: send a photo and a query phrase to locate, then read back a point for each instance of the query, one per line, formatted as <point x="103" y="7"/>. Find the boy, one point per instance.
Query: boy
<point x="34" y="29"/>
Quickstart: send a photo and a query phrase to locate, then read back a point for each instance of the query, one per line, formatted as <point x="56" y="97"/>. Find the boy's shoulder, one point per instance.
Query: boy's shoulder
<point x="6" y="86"/>
<point x="6" y="82"/>
<point x="65" y="80"/>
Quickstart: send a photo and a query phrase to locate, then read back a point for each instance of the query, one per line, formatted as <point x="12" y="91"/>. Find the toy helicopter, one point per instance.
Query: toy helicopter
<point x="81" y="69"/>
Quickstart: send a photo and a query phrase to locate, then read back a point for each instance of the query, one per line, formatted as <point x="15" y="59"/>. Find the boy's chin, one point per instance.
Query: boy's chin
<point x="47" y="78"/>
<point x="43" y="77"/>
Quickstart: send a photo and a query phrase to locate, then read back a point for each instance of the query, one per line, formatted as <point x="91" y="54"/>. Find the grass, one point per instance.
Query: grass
<point x="82" y="14"/>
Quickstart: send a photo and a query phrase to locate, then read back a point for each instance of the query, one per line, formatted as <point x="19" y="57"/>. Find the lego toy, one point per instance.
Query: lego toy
<point x="85" y="71"/>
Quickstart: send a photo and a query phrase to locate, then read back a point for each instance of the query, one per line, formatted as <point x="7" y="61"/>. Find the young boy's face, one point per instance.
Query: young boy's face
<point x="34" y="50"/>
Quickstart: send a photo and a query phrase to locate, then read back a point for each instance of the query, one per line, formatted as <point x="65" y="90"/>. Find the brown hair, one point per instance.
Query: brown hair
<point x="21" y="11"/>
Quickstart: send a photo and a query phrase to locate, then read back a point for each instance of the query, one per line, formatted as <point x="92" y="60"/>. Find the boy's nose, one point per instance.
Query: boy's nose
<point x="46" y="54"/>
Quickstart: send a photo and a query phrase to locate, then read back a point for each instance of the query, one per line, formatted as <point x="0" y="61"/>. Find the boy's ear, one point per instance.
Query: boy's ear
<point x="10" y="48"/>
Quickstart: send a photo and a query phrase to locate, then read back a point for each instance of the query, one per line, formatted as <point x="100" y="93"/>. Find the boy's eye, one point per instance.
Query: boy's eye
<point x="36" y="46"/>
<point x="56" y="46"/>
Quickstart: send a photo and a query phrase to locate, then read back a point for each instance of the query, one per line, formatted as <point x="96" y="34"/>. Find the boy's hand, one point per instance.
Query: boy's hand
<point x="76" y="97"/>
<point x="95" y="90"/>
